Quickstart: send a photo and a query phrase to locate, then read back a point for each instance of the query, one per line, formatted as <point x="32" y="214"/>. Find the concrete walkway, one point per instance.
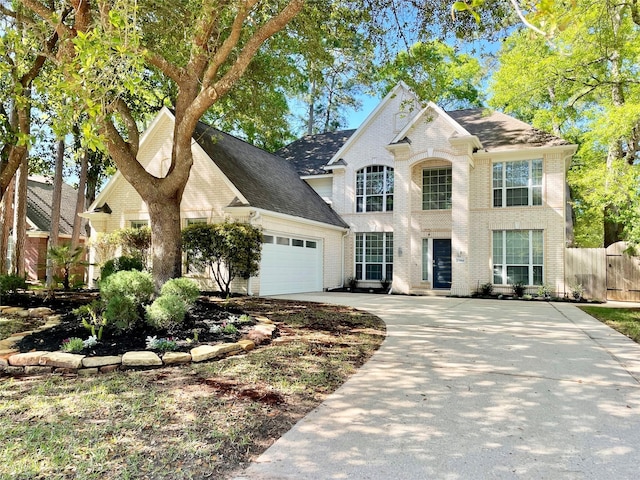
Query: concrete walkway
<point x="473" y="389"/>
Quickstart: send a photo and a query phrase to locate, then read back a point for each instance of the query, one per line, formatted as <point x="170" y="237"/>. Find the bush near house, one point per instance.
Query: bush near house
<point x="12" y="283"/>
<point x="119" y="264"/>
<point x="229" y="250"/>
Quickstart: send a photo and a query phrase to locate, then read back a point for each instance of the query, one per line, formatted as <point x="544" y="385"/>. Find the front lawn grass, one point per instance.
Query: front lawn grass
<point x="624" y="320"/>
<point x="191" y="422"/>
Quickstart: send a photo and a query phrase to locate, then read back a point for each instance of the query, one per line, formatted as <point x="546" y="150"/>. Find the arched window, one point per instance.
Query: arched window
<point x="374" y="189"/>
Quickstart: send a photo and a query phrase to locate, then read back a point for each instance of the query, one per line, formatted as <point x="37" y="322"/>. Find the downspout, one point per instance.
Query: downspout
<point x="344" y="236"/>
<point x="253" y="216"/>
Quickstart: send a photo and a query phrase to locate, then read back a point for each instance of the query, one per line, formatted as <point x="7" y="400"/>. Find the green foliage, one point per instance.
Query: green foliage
<point x="161" y="344"/>
<point x="229" y="329"/>
<point x="437" y="73"/>
<point x="166" y="313"/>
<point x="135" y="242"/>
<point x="138" y="286"/>
<point x="119" y="264"/>
<point x="486" y="288"/>
<point x="72" y="345"/>
<point x="12" y="283"/>
<point x="184" y="288"/>
<point x="518" y="289"/>
<point x="122" y="313"/>
<point x="583" y="86"/>
<point x="65" y="259"/>
<point x="91" y="317"/>
<point x="229" y="250"/>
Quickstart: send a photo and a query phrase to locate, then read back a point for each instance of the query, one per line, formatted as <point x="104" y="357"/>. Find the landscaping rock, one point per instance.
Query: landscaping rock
<point x="94" y="362"/>
<point x="37" y="370"/>
<point x="247" y="344"/>
<point x="6" y="351"/>
<point x="40" y="312"/>
<point x="62" y="360"/>
<point x="262" y="319"/>
<point x="22" y="313"/>
<point x="88" y="372"/>
<point x="12" y="310"/>
<point x="207" y="352"/>
<point x="175" y="358"/>
<point x="258" y="338"/>
<point x="28" y="358"/>
<point x="140" y="359"/>
<point x="65" y="371"/>
<point x="265" y="329"/>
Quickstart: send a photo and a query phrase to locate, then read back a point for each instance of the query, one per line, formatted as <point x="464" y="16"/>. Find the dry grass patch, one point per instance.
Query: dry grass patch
<point x="190" y="422"/>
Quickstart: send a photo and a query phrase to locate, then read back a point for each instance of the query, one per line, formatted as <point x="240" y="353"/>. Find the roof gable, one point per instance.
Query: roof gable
<point x="400" y="89"/>
<point x="265" y="180"/>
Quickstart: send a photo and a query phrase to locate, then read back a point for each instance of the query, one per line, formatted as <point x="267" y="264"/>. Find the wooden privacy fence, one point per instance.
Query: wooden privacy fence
<point x="605" y="273"/>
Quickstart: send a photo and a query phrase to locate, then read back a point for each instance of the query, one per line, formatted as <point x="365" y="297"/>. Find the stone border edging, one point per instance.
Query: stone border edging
<point x="13" y="363"/>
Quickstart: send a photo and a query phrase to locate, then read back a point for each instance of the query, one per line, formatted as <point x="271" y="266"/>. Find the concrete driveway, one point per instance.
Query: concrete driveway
<point x="473" y="389"/>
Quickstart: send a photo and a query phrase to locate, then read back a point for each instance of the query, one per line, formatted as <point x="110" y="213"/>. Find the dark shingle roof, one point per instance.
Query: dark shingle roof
<point x="498" y="131"/>
<point x="311" y="152"/>
<point x="265" y="180"/>
<point x="39" y="201"/>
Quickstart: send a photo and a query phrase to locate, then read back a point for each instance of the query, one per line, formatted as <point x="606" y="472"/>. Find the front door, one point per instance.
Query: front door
<point x="441" y="263"/>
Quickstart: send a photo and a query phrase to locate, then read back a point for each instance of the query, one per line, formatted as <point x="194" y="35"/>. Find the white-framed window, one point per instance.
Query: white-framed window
<point x="436" y="188"/>
<point x="517" y="184"/>
<point x="374" y="256"/>
<point x="194" y="221"/>
<point x="518" y="257"/>
<point x="374" y="189"/>
<point x="138" y="223"/>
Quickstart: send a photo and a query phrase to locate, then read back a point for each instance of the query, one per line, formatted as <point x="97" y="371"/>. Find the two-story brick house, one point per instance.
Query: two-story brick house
<point x="443" y="201"/>
<point x="435" y="201"/>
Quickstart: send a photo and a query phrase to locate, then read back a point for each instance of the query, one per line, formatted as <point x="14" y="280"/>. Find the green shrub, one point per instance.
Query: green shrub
<point x="166" y="312"/>
<point x="11" y="283"/>
<point x="184" y="288"/>
<point x="486" y="288"/>
<point x="122" y="313"/>
<point x="229" y="329"/>
<point x="72" y="345"/>
<point x="138" y="286"/>
<point x="119" y="264"/>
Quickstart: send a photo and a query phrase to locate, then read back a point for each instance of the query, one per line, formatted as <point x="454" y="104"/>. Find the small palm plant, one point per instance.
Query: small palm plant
<point x="65" y="258"/>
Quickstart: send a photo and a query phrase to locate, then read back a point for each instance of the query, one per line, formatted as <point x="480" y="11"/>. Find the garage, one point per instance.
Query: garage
<point x="290" y="264"/>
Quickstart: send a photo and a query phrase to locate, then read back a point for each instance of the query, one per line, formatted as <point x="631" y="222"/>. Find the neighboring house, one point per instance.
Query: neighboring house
<point x="39" y="202"/>
<point x="435" y="201"/>
<point x="443" y="201"/>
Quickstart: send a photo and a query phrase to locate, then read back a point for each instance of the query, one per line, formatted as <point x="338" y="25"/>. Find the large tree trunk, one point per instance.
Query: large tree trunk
<point x="20" y="218"/>
<point x="6" y="220"/>
<point x="166" y="239"/>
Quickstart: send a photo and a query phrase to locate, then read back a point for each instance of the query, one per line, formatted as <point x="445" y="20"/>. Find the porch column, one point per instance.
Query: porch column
<point x="460" y="227"/>
<point x="401" y="227"/>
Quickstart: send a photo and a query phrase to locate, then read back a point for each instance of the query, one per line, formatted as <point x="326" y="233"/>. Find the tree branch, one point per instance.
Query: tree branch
<point x="526" y="23"/>
<point x="120" y="107"/>
<point x="211" y="93"/>
<point x="49" y="16"/>
<point x="162" y="64"/>
<point x="229" y="44"/>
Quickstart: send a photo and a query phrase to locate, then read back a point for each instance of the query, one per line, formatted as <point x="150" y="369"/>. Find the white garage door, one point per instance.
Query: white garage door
<point x="290" y="265"/>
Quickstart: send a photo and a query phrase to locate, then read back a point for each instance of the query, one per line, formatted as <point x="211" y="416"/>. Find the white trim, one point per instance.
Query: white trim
<point x="322" y="175"/>
<point x="363" y="127"/>
<point x="528" y="153"/>
<point x="247" y="210"/>
<point x="440" y="112"/>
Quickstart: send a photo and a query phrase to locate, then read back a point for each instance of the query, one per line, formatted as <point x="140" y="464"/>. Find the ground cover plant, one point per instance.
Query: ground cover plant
<point x="624" y="320"/>
<point x="190" y="422"/>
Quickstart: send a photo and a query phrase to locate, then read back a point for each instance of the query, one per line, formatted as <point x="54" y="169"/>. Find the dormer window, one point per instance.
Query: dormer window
<point x="374" y="189"/>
